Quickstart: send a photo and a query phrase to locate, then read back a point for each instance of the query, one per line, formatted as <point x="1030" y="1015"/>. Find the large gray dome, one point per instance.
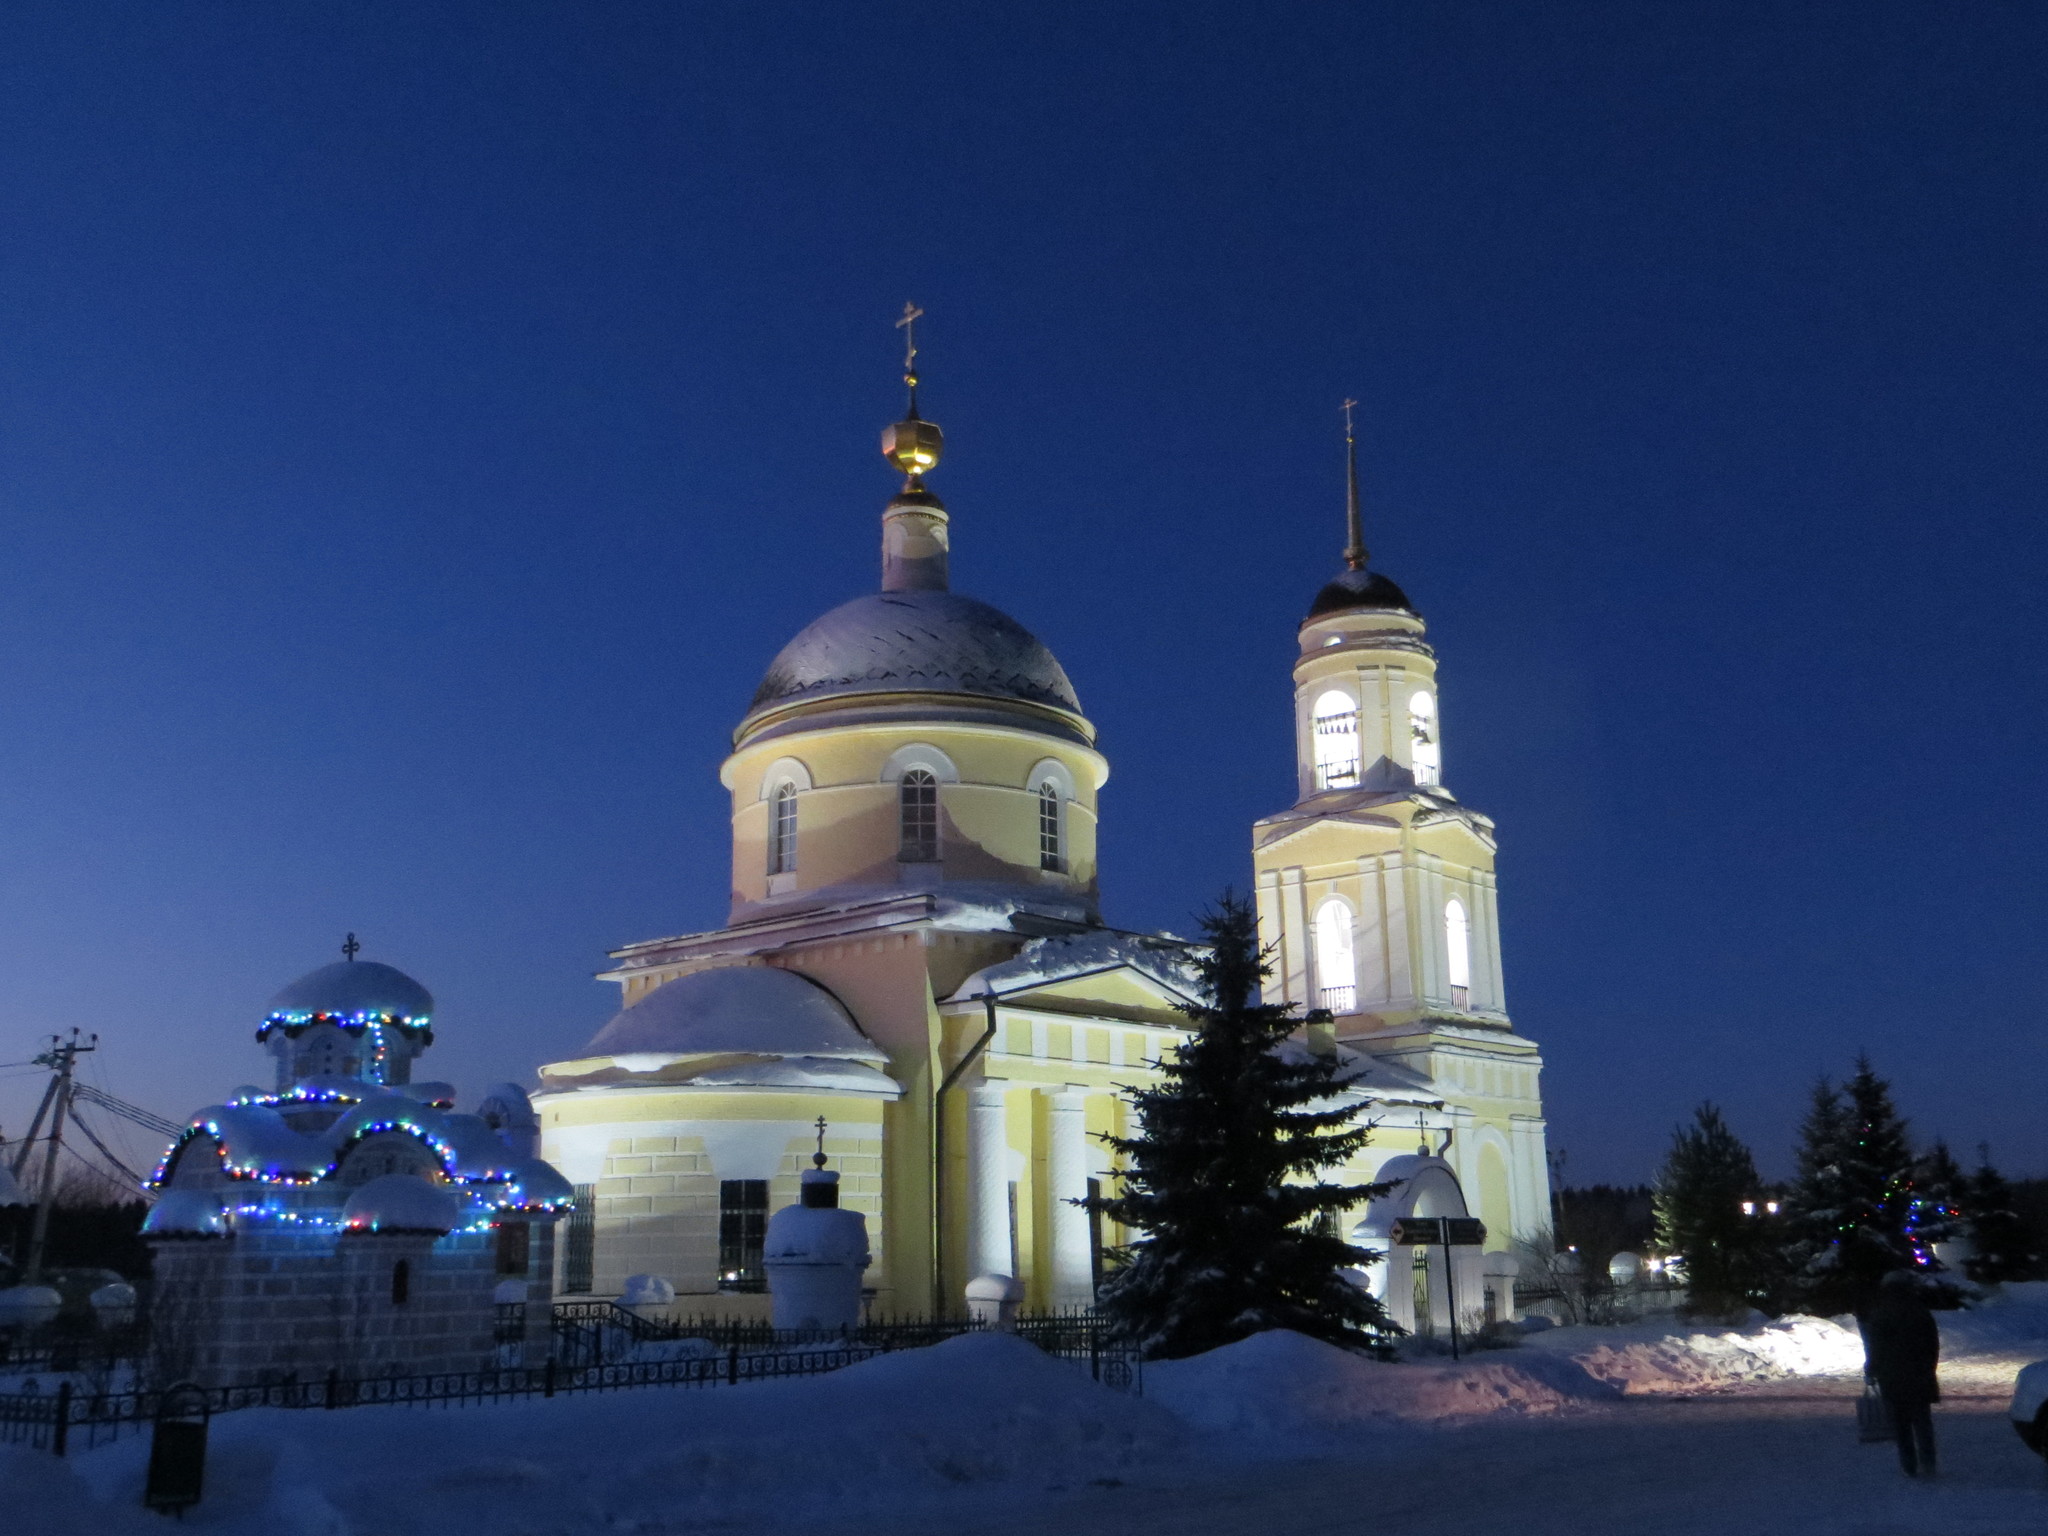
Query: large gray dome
<point x="746" y="1010"/>
<point x="916" y="641"/>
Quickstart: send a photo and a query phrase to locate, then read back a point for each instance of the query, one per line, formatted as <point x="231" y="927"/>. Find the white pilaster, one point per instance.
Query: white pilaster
<point x="1294" y="915"/>
<point x="1066" y="1172"/>
<point x="988" y="1182"/>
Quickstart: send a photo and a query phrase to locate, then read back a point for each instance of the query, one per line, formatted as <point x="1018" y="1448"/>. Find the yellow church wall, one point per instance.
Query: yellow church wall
<point x="847" y="816"/>
<point x="656" y="1191"/>
<point x="1493" y="1202"/>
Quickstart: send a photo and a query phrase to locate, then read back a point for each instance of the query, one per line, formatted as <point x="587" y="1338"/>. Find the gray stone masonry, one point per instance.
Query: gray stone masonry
<point x="265" y="1306"/>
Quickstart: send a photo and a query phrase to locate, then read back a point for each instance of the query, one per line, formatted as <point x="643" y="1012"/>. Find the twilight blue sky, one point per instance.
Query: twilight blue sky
<point x="420" y="423"/>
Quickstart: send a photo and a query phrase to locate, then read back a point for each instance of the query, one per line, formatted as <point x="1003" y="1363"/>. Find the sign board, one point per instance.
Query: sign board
<point x="1450" y="1231"/>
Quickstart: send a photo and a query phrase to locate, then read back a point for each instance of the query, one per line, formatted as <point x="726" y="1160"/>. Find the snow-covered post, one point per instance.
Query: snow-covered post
<point x="994" y="1300"/>
<point x="1073" y="1262"/>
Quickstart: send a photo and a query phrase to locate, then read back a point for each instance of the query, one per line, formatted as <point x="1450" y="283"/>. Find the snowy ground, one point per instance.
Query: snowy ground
<point x="1738" y="1431"/>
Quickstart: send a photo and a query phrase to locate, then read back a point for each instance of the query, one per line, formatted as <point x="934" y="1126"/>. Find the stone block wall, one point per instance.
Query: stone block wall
<point x="269" y="1305"/>
<point x="657" y="1210"/>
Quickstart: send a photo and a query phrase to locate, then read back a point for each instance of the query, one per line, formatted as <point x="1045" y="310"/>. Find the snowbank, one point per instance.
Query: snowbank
<point x="1289" y="1389"/>
<point x="979" y="1418"/>
<point x="2013" y="1317"/>
<point x="980" y="1424"/>
<point x="1663" y="1358"/>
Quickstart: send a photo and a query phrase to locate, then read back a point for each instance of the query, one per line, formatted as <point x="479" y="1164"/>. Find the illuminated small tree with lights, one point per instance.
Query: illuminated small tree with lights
<point x="1850" y="1216"/>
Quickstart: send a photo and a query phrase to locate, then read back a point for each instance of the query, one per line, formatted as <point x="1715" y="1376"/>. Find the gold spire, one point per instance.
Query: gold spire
<point x="913" y="444"/>
<point x="1354" y="549"/>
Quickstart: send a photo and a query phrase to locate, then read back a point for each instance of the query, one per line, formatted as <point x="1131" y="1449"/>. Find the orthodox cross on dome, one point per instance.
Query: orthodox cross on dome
<point x="350" y="947"/>
<point x="908" y="326"/>
<point x="818" y="1157"/>
<point x="1354" y="548"/>
<point x="913" y="444"/>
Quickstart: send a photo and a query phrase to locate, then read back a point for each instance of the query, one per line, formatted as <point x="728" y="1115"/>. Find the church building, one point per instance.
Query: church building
<point x="915" y="956"/>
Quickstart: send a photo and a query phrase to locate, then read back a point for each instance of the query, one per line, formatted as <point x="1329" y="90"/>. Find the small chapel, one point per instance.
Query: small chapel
<point x="915" y="955"/>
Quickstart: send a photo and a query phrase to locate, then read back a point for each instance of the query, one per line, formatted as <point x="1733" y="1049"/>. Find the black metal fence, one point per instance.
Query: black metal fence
<point x="724" y="1354"/>
<point x="69" y="1345"/>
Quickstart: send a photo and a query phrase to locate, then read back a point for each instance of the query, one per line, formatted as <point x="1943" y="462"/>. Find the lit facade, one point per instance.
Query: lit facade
<point x="914" y="954"/>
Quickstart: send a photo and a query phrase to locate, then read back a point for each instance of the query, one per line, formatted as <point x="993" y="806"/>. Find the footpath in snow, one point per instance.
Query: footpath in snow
<point x="975" y="1428"/>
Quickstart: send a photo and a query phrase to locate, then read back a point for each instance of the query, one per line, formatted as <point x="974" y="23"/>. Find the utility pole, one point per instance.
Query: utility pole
<point x="63" y="1058"/>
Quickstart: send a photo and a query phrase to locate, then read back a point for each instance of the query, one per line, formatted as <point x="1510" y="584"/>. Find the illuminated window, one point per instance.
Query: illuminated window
<point x="1336" y="975"/>
<point x="1050" y="854"/>
<point x="1423" y="751"/>
<point x="782" y="831"/>
<point x="1458" y="952"/>
<point x="918" y="799"/>
<point x="1336" y="733"/>
<point x="742" y="1233"/>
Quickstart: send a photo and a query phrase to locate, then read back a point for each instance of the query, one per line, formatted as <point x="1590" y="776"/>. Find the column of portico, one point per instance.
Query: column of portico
<point x="1073" y="1262"/>
<point x="988" y="1183"/>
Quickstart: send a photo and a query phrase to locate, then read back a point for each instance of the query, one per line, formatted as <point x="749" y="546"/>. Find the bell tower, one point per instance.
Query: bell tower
<point x="1376" y="889"/>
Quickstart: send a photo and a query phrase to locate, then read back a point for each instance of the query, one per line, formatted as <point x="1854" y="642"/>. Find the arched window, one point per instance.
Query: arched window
<point x="1051" y="853"/>
<point x="782" y="831"/>
<point x="1336" y="974"/>
<point x="1423" y="751"/>
<point x="1458" y="952"/>
<point x="918" y="817"/>
<point x="1336" y="733"/>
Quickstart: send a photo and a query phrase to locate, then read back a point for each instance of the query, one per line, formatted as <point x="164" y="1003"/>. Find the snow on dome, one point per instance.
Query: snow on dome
<point x="401" y="1202"/>
<point x="186" y="1213"/>
<point x="535" y="1185"/>
<point x="745" y="1010"/>
<point x="800" y="1072"/>
<point x="918" y="641"/>
<point x="353" y="989"/>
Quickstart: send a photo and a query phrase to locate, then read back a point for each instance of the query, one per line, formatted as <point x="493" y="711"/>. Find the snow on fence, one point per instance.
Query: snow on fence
<point x="696" y="1355"/>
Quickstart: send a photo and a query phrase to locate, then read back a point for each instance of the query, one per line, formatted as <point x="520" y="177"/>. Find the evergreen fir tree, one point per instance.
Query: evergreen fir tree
<point x="1814" y="1207"/>
<point x="1850" y="1208"/>
<point x="1935" y="1211"/>
<point x="1707" y="1179"/>
<point x="2005" y="1245"/>
<point x="1238" y="1234"/>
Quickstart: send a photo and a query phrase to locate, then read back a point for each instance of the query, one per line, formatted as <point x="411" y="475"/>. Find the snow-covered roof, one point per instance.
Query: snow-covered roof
<point x="256" y="1142"/>
<point x="897" y="642"/>
<point x="353" y="989"/>
<point x="746" y="1010"/>
<point x="1064" y="956"/>
<point x="186" y="1213"/>
<point x="402" y="1202"/>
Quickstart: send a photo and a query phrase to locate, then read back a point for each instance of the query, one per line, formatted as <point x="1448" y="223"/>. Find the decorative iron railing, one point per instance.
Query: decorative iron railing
<point x="726" y="1354"/>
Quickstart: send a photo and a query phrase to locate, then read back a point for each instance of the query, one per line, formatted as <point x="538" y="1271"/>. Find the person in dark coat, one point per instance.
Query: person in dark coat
<point x="1901" y="1348"/>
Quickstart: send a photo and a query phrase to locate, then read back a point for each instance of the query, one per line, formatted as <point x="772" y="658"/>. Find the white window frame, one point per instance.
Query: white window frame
<point x="782" y="814"/>
<point x="1458" y="952"/>
<point x="1425" y="749"/>
<point x="1334" y="948"/>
